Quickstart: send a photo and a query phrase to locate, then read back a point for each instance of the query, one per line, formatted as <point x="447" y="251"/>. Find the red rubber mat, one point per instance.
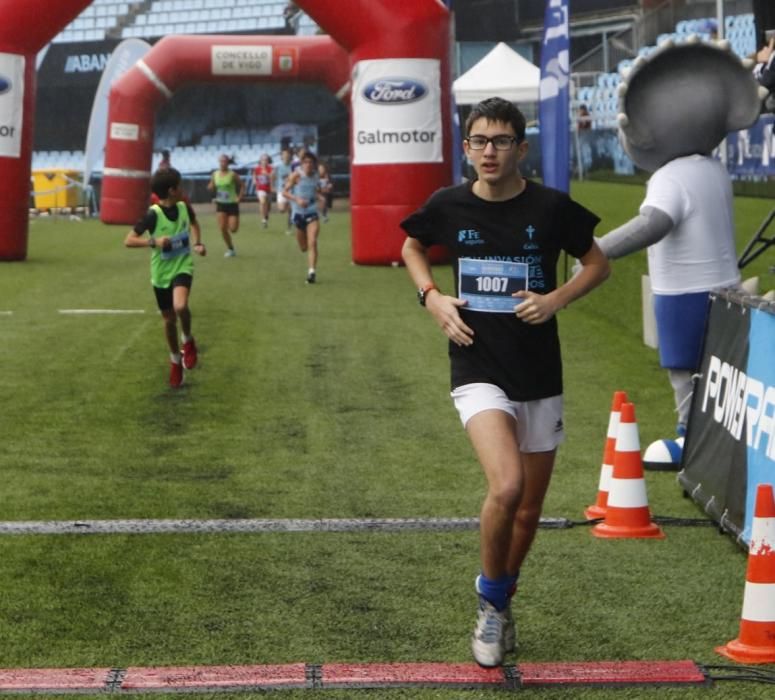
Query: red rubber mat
<point x="429" y="674"/>
<point x="32" y="679"/>
<point x="215" y="677"/>
<point x="611" y="673"/>
<point x="314" y="677"/>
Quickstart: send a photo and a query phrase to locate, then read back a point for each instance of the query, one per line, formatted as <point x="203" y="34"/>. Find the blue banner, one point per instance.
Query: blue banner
<point x="730" y="443"/>
<point x="553" y="107"/>
<point x="759" y="408"/>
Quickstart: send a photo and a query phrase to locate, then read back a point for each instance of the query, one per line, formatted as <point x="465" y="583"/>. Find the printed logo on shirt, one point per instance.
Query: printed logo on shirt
<point x="469" y="236"/>
<point x="530" y="245"/>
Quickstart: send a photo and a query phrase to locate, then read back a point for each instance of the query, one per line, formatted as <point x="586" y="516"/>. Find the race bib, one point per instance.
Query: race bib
<point x="488" y="285"/>
<point x="179" y="245"/>
<point x="223" y="196"/>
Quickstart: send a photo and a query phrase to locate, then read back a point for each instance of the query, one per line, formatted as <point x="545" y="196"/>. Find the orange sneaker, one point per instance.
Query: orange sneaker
<point x="189" y="354"/>
<point x="176" y="374"/>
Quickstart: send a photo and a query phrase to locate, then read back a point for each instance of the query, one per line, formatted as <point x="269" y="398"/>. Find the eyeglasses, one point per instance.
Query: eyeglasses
<point x="502" y="142"/>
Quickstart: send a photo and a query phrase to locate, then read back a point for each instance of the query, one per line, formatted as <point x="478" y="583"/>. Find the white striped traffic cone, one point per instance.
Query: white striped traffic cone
<point x="755" y="644"/>
<point x="627" y="513"/>
<point x="598" y="508"/>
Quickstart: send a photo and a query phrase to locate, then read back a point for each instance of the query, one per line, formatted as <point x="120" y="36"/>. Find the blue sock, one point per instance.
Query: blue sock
<point x="495" y="591"/>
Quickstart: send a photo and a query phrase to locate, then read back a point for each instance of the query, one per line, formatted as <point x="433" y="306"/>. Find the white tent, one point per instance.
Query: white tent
<point x="501" y="73"/>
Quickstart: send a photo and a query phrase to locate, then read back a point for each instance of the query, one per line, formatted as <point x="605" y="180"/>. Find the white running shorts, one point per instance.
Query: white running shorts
<point x="539" y="423"/>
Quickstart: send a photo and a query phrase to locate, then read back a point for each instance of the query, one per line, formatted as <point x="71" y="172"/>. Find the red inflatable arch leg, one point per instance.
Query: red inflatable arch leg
<point x="25" y="28"/>
<point x="177" y="60"/>
<point x="400" y="147"/>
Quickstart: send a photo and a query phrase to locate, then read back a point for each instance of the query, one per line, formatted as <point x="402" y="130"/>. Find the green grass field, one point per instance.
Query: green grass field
<point x="324" y="401"/>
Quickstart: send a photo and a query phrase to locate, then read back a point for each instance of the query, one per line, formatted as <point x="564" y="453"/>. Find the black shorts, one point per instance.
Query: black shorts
<point x="230" y="208"/>
<point x="301" y="221"/>
<point x="164" y="294"/>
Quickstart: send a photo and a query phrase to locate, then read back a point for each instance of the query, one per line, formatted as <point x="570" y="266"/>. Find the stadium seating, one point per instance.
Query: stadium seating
<point x="741" y="34"/>
<point x="197" y="143"/>
<point x="601" y="99"/>
<point x="114" y="18"/>
<point x="207" y="17"/>
<point x="188" y="159"/>
<point x="93" y="23"/>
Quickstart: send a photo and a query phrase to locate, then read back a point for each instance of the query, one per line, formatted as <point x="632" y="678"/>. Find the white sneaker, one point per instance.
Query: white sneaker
<point x="230" y="253"/>
<point x="488" y="641"/>
<point x="509" y="628"/>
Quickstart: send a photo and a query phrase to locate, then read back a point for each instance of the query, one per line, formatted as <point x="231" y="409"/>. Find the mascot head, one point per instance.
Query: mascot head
<point x="684" y="99"/>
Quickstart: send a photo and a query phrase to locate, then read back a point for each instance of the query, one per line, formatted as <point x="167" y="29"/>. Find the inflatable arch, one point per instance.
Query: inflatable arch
<point x="395" y="51"/>
<point x="25" y="28"/>
<point x="180" y="59"/>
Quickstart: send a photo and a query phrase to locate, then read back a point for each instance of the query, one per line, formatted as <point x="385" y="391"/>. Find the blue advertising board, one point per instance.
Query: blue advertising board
<point x="730" y="442"/>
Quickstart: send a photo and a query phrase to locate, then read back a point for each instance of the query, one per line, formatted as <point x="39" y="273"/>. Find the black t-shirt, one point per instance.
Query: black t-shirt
<point x="532" y="228"/>
<point x="148" y="222"/>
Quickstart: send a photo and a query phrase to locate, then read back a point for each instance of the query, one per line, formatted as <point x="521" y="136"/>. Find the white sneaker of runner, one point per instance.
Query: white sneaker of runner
<point x="509" y="627"/>
<point x="487" y="642"/>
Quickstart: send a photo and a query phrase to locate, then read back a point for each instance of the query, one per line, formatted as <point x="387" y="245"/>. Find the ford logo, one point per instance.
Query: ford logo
<point x="394" y="91"/>
<point x="5" y="84"/>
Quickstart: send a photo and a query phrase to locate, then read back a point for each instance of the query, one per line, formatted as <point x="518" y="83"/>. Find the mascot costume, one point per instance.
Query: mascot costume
<point x="676" y="106"/>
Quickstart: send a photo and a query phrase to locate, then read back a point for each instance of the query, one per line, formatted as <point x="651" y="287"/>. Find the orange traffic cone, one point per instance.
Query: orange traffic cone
<point x="627" y="513"/>
<point x="755" y="644"/>
<point x="597" y="510"/>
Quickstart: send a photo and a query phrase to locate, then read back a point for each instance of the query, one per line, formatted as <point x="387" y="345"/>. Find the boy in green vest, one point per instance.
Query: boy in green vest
<point x="172" y="225"/>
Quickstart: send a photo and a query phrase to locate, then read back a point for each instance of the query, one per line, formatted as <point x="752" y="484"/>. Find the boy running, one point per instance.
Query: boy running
<point x="505" y="235"/>
<point x="171" y="224"/>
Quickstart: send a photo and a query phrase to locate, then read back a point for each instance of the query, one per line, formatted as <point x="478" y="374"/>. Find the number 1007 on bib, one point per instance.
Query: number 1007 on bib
<point x="488" y="286"/>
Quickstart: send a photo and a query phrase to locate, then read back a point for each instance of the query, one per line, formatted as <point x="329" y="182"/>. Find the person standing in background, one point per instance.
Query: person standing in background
<point x="165" y="161"/>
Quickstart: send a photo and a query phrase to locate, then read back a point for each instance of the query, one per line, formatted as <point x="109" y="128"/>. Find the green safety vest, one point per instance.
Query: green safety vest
<point x="168" y="264"/>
